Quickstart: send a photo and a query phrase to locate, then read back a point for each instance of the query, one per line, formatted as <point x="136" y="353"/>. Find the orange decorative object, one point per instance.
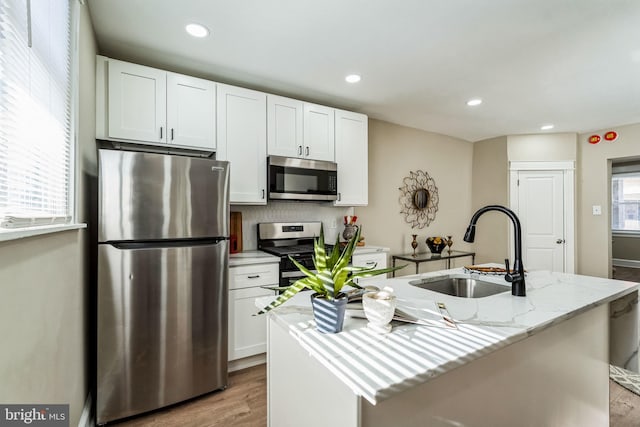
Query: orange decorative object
<point x="594" y="139"/>
<point x="611" y="136"/>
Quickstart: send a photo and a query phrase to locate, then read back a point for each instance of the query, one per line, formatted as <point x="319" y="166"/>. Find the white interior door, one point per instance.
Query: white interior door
<point x="540" y="207"/>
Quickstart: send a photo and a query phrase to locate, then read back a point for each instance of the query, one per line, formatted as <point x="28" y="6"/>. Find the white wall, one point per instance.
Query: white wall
<point x="396" y="150"/>
<point x="290" y="212"/>
<point x="43" y="288"/>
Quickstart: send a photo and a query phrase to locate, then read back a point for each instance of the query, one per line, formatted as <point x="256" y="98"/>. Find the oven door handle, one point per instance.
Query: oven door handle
<point x="290" y="274"/>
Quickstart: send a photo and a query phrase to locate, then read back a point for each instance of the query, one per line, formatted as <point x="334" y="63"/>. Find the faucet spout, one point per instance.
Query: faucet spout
<point x="515" y="276"/>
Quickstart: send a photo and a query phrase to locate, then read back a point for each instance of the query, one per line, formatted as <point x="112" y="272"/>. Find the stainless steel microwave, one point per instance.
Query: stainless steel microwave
<point x="290" y="178"/>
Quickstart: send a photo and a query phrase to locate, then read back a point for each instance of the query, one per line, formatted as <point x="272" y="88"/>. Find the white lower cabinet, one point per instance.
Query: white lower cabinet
<point x="377" y="259"/>
<point x="248" y="333"/>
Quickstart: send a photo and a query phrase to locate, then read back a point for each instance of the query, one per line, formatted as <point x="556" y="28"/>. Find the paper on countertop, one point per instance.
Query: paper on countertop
<point x="427" y="314"/>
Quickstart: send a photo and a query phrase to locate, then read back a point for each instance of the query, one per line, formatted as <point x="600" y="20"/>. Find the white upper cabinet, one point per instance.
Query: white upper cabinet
<point x="242" y="141"/>
<point x="284" y="126"/>
<point x="352" y="141"/>
<point x="191" y="111"/>
<point x="319" y="137"/>
<point x="136" y="102"/>
<point x="145" y="105"/>
<point x="299" y="129"/>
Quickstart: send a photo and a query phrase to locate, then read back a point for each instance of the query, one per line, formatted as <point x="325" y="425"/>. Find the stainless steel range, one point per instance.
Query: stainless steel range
<point x="290" y="239"/>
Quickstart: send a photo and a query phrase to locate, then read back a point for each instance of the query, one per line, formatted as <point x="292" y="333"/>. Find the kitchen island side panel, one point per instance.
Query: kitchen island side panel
<point x="556" y="377"/>
<point x="300" y="391"/>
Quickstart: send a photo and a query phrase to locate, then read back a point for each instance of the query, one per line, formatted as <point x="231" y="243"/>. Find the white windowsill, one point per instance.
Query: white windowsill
<point x="7" y="234"/>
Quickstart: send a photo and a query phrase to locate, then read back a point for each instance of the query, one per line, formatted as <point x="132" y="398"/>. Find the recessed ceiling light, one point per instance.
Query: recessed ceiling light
<point x="546" y="127"/>
<point x="474" y="102"/>
<point x="197" y="30"/>
<point x="352" y="78"/>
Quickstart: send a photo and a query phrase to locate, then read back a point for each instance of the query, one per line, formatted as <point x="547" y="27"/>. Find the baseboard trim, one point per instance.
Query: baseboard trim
<point x="618" y="262"/>
<point x="86" y="419"/>
<point x="247" y="362"/>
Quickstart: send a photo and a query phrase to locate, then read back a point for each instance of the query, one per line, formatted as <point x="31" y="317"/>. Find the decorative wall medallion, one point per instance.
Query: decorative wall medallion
<point x="418" y="199"/>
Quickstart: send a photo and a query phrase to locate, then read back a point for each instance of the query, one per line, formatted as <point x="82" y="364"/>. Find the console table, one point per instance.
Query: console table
<point x="428" y="256"/>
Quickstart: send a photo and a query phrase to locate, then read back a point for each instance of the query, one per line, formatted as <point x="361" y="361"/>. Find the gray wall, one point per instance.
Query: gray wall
<point x="396" y="150"/>
<point x="44" y="282"/>
<point x="624" y="247"/>
<point x="491" y="187"/>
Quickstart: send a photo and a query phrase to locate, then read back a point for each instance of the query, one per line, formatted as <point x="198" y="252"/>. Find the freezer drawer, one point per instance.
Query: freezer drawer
<point x="162" y="326"/>
<point x="148" y="196"/>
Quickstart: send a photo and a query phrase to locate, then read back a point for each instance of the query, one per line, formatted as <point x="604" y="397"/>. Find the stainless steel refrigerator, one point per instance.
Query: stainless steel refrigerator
<point x="163" y="228"/>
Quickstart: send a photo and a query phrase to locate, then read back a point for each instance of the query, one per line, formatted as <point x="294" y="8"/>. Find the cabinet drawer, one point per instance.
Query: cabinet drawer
<point x="379" y="259"/>
<point x="247" y="276"/>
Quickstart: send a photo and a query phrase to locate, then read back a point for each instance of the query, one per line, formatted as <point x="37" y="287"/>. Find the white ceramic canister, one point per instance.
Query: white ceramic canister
<point x="379" y="307"/>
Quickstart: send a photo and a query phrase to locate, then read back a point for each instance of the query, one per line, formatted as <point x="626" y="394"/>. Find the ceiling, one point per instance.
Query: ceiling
<point x="572" y="63"/>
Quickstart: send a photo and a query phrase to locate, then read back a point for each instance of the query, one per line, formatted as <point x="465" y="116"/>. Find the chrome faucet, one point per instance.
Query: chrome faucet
<point x="515" y="276"/>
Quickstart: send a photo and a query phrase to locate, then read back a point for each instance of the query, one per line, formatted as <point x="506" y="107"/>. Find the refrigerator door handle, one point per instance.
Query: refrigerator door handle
<point x="177" y="243"/>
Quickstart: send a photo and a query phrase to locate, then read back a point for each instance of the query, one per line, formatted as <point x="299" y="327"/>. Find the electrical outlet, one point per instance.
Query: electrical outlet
<point x="333" y="223"/>
<point x="596" y="209"/>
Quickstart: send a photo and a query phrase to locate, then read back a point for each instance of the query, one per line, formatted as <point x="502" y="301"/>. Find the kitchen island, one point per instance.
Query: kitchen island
<point x="537" y="360"/>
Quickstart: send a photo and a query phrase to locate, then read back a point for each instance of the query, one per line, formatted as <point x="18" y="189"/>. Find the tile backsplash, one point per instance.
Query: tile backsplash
<point x="331" y="217"/>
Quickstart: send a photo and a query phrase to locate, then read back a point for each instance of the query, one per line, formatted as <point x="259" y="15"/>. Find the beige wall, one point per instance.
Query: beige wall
<point x="396" y="150"/>
<point x="491" y="187"/>
<point x="542" y="147"/>
<point x="593" y="177"/>
<point x="43" y="280"/>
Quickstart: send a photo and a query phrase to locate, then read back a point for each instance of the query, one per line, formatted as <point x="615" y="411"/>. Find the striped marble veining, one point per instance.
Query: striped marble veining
<point x="377" y="367"/>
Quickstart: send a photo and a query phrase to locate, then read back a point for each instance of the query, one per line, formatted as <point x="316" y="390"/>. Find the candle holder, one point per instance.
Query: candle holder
<point x="414" y="243"/>
<point x="449" y="242"/>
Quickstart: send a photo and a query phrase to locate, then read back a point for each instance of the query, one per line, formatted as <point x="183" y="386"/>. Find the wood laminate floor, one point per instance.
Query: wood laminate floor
<point x="244" y="404"/>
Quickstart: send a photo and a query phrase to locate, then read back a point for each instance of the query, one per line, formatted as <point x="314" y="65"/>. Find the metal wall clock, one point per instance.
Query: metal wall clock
<point x="418" y="199"/>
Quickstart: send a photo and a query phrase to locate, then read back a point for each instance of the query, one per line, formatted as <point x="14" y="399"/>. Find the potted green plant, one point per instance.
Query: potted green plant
<point x="333" y="274"/>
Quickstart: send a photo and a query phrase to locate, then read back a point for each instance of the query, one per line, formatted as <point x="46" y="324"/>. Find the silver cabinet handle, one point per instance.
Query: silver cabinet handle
<point x="307" y="153"/>
<point x="160" y="132"/>
<point x="339" y="196"/>
<point x="172" y="134"/>
<point x="371" y="263"/>
<point x="560" y="241"/>
<point x="256" y="276"/>
<point x="263" y="193"/>
<point x="299" y="150"/>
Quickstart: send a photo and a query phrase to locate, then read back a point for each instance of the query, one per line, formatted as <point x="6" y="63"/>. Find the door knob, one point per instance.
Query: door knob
<point x="560" y="241"/>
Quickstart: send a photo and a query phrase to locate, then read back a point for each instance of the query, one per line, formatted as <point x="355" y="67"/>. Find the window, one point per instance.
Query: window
<point x="35" y="112"/>
<point x="625" y="198"/>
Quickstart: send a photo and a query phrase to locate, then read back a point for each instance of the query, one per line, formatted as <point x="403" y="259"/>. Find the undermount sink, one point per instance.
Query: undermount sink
<point x="460" y="286"/>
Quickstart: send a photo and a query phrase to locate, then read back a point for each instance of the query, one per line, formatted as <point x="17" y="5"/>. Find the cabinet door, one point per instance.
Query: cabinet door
<point x="247" y="333"/>
<point x="351" y="155"/>
<point x="137" y="102"/>
<point x="377" y="259"/>
<point x="242" y="140"/>
<point x="284" y="127"/>
<point x="191" y="111"/>
<point x="319" y="137"/>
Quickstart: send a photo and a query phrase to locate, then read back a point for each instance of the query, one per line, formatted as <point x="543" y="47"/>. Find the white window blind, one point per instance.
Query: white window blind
<point x="35" y="112"/>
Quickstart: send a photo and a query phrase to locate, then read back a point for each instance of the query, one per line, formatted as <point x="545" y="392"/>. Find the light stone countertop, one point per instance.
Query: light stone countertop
<point x="367" y="249"/>
<point x="251" y="257"/>
<point x="379" y="366"/>
<point x="259" y="257"/>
